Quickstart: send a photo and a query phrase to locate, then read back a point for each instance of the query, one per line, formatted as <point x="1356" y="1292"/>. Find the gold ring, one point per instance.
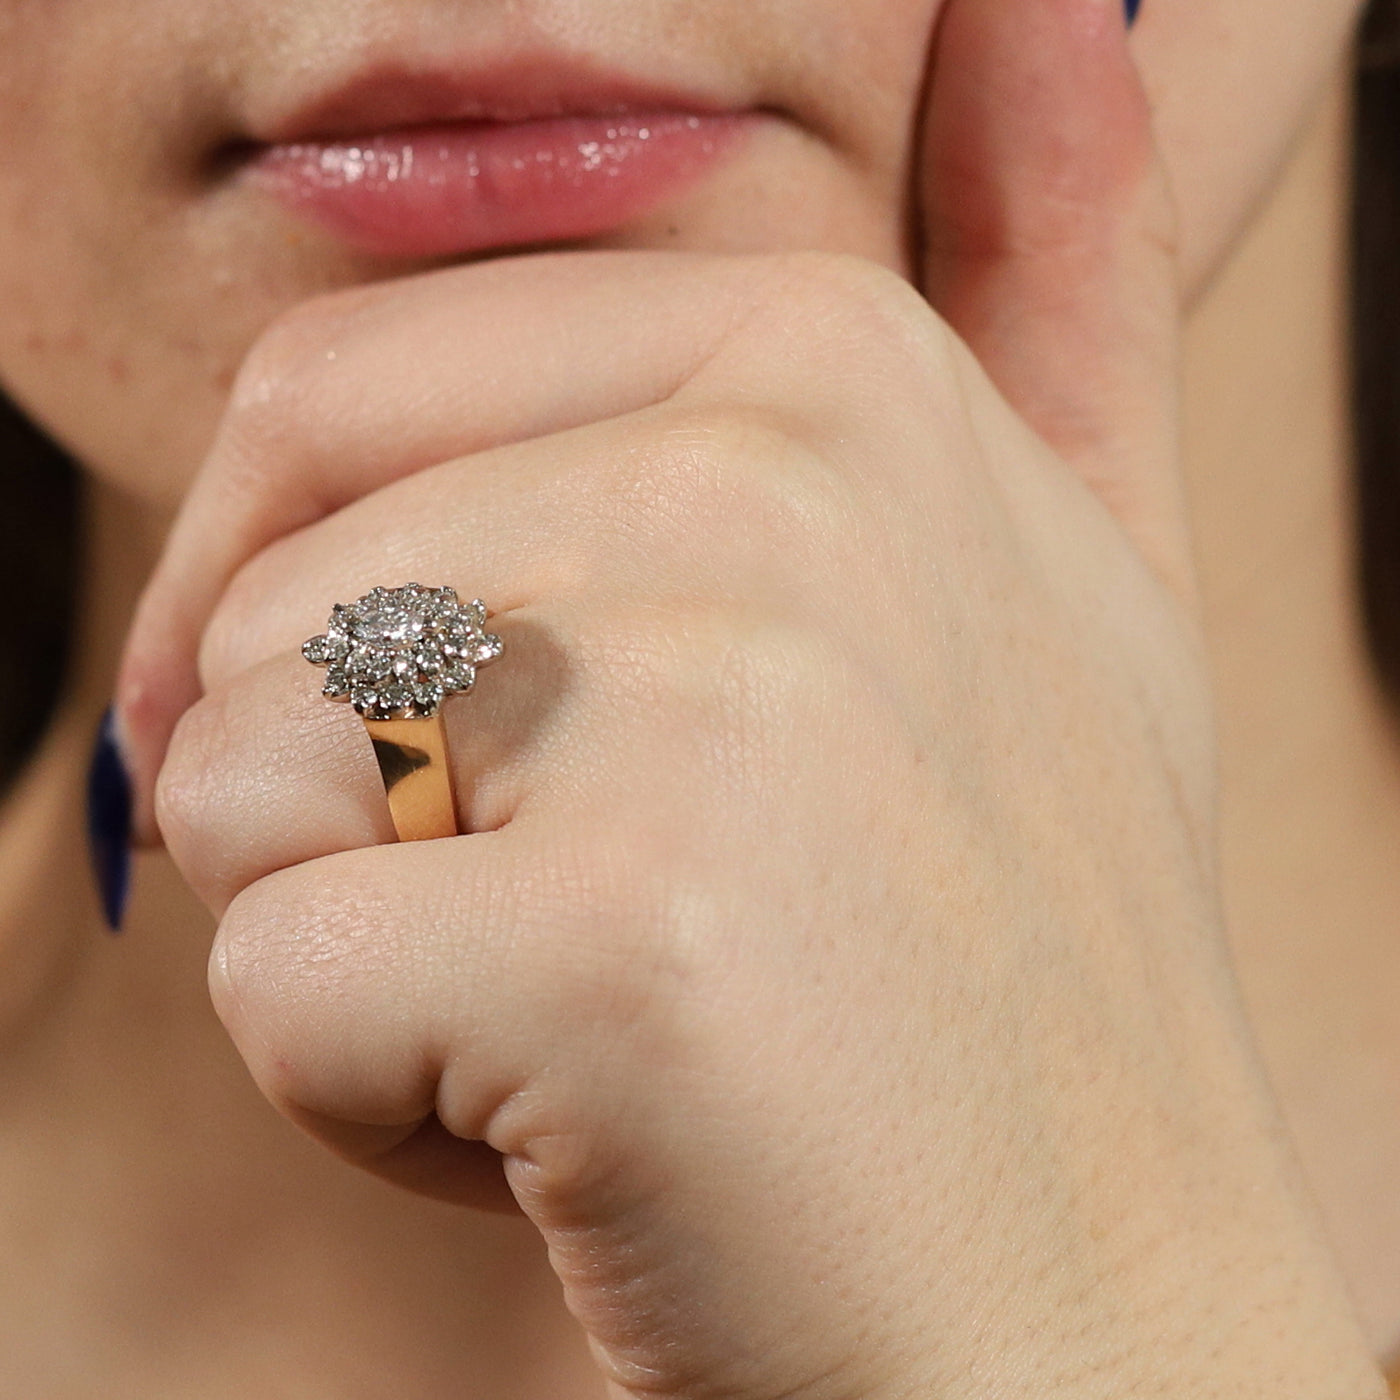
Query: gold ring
<point x="396" y="654"/>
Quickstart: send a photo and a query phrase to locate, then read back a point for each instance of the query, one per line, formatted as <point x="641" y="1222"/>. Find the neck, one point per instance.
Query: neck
<point x="1311" y="771"/>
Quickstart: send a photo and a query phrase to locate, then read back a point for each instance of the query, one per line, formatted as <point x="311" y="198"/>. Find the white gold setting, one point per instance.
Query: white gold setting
<point x="398" y="653"/>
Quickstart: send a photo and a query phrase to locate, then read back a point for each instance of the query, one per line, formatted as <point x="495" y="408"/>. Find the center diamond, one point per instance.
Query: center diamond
<point x="386" y="625"/>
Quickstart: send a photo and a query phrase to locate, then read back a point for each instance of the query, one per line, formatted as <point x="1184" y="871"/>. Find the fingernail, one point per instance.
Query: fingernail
<point x="109" y="822"/>
<point x="1132" y="8"/>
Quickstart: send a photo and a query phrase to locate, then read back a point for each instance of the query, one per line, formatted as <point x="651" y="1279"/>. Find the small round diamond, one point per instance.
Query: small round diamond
<point x="458" y="675"/>
<point x="395" y="697"/>
<point x="427" y="695"/>
<point x="369" y="663"/>
<point x="488" y="649"/>
<point x="398" y="652"/>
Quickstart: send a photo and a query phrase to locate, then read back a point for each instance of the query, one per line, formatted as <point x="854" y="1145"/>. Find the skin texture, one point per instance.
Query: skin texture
<point x="1268" y="437"/>
<point x="672" y="1003"/>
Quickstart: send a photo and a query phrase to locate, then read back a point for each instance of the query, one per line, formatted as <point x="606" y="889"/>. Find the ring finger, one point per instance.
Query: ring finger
<point x="263" y="772"/>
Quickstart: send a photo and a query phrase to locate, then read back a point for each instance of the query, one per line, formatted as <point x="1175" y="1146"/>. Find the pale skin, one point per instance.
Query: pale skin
<point x="999" y="1139"/>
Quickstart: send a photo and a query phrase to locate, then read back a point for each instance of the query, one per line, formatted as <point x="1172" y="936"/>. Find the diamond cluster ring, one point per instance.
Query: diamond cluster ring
<point x="396" y="654"/>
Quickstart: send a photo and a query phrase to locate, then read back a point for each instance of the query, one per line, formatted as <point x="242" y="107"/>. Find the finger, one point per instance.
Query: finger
<point x="263" y="772"/>
<point x="1049" y="245"/>
<point x="460" y="362"/>
<point x="525" y="989"/>
<point x="512" y="534"/>
<point x="344" y="982"/>
<point x="358" y="389"/>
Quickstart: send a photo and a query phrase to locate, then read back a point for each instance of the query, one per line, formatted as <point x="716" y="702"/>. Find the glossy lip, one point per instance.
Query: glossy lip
<point x="415" y="164"/>
<point x="526" y="88"/>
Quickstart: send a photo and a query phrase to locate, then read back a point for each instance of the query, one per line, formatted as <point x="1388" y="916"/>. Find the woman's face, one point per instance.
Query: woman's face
<point x="147" y="235"/>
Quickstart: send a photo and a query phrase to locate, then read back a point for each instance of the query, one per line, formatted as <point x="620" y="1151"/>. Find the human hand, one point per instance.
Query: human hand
<point x="834" y="965"/>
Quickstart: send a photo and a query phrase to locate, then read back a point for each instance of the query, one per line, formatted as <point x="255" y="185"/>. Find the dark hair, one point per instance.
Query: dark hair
<point x="39" y="560"/>
<point x="40" y="538"/>
<point x="1375" y="333"/>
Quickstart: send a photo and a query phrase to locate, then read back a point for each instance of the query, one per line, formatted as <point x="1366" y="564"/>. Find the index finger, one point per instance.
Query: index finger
<point x="353" y="391"/>
<point x="324" y="412"/>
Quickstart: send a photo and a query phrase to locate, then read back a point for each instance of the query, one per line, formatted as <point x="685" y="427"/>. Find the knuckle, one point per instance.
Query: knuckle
<point x="291" y="354"/>
<point x="737" y="697"/>
<point x="646" y="962"/>
<point x="291" y="956"/>
<point x="742" y="486"/>
<point x="289" y="381"/>
<point x="604" y="922"/>
<point x="714" y="662"/>
<point x="861" y="321"/>
<point x="602" y="933"/>
<point x="760" y="664"/>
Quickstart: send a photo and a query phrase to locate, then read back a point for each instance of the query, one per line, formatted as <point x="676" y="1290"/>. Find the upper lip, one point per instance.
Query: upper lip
<point x="392" y="95"/>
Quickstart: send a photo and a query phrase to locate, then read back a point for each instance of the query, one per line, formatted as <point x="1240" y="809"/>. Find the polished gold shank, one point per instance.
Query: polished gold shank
<point x="412" y="757"/>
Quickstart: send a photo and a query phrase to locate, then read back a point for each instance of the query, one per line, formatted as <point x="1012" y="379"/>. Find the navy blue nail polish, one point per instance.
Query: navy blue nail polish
<point x="109" y="823"/>
<point x="1132" y="9"/>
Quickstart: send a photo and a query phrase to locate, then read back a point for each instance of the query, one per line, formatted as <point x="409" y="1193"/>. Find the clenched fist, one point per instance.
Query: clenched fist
<point x="832" y="968"/>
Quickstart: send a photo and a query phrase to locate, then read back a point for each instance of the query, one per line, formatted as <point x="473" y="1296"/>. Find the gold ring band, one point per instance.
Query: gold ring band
<point x="412" y="757"/>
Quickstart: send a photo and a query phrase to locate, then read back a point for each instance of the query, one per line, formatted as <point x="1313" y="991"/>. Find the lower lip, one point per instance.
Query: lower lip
<point x="435" y="191"/>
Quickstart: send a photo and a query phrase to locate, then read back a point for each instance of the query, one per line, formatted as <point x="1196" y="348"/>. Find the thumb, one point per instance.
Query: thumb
<point x="1048" y="242"/>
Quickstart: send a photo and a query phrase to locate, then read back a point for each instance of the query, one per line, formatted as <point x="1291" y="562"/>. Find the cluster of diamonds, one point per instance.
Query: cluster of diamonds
<point x="398" y="653"/>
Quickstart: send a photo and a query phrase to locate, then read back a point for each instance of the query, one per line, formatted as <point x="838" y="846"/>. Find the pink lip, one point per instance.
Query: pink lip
<point x="440" y="163"/>
<point x="434" y="191"/>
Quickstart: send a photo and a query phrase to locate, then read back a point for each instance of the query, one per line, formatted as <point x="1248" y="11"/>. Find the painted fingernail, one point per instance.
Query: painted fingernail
<point x="1132" y="8"/>
<point x="109" y="823"/>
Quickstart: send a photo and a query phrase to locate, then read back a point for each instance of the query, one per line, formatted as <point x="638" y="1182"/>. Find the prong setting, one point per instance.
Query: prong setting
<point x="398" y="653"/>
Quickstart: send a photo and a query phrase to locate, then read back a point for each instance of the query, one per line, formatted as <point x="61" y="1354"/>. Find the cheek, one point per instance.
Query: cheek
<point x="91" y="345"/>
<point x="103" y="367"/>
<point x="1232" y="82"/>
